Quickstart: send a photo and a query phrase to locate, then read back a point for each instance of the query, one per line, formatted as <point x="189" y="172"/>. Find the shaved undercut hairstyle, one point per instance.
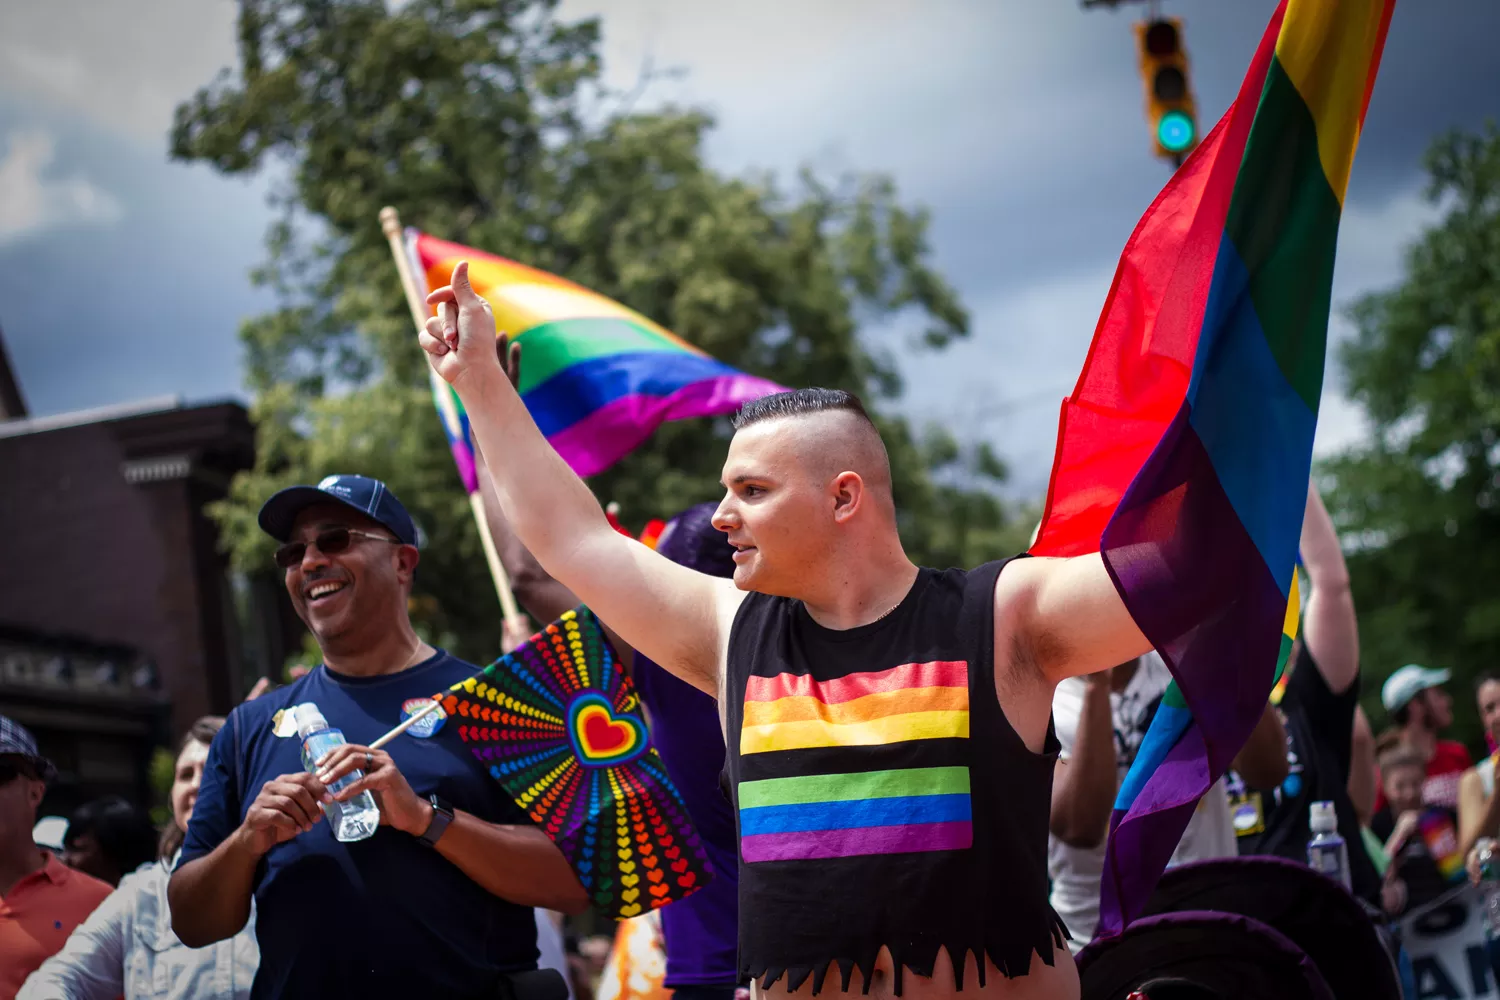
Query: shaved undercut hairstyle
<point x="799" y="403"/>
<point x="863" y="451"/>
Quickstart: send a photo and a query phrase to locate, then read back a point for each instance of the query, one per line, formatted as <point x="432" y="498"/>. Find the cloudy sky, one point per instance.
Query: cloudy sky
<point x="124" y="276"/>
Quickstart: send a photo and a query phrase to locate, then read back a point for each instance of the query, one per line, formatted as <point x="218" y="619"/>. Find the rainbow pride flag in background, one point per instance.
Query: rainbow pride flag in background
<point x="1185" y="449"/>
<point x="597" y="377"/>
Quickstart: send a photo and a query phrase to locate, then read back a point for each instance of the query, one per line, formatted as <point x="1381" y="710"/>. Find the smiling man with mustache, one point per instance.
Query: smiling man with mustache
<point x="439" y="901"/>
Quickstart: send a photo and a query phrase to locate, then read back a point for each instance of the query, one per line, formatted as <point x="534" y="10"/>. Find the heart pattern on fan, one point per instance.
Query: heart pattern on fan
<point x="600" y="737"/>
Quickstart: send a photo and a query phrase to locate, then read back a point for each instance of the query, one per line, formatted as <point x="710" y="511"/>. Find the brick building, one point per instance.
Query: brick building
<point x="120" y="621"/>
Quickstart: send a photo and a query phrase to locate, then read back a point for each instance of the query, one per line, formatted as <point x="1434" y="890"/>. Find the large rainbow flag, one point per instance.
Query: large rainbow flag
<point x="1185" y="449"/>
<point x="597" y="377"/>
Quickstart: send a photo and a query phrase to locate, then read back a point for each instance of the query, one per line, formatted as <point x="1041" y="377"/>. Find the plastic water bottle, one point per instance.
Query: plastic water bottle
<point x="355" y="819"/>
<point x="1327" y="852"/>
<point x="1489" y="885"/>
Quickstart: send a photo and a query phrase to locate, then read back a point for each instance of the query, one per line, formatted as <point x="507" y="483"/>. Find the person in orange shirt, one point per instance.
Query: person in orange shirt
<point x="41" y="899"/>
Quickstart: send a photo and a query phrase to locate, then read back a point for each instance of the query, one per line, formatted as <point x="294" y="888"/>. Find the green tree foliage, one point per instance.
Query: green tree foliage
<point x="1422" y="500"/>
<point x="484" y="123"/>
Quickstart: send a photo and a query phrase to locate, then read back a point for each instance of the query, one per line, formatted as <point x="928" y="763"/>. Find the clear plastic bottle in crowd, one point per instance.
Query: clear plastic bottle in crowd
<point x="1327" y="852"/>
<point x="355" y="819"/>
<point x="1489" y="884"/>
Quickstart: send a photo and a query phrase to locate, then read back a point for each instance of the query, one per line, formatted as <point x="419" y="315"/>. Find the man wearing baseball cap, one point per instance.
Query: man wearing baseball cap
<point x="438" y="902"/>
<point x="41" y="899"/>
<point x="1421" y="709"/>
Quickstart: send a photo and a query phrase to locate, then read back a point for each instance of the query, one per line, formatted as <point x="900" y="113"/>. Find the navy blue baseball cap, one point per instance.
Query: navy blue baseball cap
<point x="370" y="497"/>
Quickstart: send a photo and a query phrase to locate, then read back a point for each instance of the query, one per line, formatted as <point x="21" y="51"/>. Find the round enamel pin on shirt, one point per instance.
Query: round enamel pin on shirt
<point x="284" y="722"/>
<point x="429" y="724"/>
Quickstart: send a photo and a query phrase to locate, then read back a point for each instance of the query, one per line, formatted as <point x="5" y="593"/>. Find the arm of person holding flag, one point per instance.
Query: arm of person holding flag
<point x="558" y="518"/>
<point x="1069" y="615"/>
<point x="1330" y="627"/>
<point x="541" y="594"/>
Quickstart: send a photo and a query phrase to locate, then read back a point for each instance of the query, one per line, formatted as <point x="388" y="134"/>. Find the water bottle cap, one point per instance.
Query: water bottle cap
<point x="309" y="720"/>
<point x="1323" y="819"/>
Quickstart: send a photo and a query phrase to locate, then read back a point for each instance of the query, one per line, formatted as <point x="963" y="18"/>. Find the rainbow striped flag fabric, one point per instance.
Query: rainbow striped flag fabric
<point x="1185" y="449"/>
<point x="597" y="377"/>
<point x="899" y="811"/>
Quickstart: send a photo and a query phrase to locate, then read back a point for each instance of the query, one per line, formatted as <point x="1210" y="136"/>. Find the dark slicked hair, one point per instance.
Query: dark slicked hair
<point x="798" y="403"/>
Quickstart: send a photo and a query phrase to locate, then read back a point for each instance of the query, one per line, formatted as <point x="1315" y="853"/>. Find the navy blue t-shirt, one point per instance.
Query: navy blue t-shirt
<point x="386" y="916"/>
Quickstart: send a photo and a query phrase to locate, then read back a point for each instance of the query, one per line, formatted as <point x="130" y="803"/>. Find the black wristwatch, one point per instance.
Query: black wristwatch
<point x="442" y="815"/>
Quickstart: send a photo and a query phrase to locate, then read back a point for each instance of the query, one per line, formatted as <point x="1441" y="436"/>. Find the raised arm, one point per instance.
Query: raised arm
<point x="558" y="519"/>
<point x="1330" y="629"/>
<point x="1067" y="615"/>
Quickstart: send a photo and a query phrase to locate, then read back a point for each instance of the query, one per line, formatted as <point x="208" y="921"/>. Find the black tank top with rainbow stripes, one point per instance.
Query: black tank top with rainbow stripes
<point x="882" y="797"/>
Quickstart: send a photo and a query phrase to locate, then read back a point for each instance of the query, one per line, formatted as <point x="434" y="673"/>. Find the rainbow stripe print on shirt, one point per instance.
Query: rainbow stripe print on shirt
<point x="895" y="811"/>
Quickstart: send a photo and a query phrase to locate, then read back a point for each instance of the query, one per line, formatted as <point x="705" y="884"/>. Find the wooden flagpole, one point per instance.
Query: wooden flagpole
<point x="390" y="224"/>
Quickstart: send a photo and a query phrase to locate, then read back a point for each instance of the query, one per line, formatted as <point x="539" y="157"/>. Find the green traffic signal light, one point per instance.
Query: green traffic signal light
<point x="1175" y="131"/>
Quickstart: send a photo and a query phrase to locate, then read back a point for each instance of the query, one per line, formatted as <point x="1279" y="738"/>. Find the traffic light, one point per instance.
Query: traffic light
<point x="1169" y="95"/>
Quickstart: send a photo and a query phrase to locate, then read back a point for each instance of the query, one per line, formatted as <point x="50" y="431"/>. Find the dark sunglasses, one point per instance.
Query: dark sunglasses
<point x="329" y="542"/>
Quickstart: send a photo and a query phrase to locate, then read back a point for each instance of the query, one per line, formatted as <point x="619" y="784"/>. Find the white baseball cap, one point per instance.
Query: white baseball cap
<point x="1408" y="682"/>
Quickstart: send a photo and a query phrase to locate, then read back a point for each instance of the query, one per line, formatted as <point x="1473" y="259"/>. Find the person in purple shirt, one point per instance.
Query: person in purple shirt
<point x="701" y="931"/>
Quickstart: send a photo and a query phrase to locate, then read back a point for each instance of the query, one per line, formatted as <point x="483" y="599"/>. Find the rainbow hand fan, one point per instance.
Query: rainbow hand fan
<point x="559" y="725"/>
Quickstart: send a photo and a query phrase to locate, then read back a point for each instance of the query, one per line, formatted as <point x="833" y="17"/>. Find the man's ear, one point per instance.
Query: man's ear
<point x="36" y="792"/>
<point x="407" y="557"/>
<point x="848" y="491"/>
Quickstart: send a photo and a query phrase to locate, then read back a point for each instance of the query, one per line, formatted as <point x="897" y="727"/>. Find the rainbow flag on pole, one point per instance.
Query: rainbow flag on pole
<point x="1184" y="451"/>
<point x="597" y="377"/>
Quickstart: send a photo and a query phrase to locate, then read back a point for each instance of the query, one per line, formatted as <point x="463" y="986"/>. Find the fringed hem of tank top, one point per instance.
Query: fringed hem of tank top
<point x="1013" y="962"/>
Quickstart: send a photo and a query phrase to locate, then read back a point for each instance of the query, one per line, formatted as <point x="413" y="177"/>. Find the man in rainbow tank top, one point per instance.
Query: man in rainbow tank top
<point x="888" y="727"/>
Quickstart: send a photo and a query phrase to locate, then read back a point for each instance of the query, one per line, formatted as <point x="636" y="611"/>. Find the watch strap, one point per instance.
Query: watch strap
<point x="442" y="815"/>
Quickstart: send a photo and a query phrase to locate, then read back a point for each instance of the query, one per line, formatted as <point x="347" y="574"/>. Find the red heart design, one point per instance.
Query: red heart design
<point x="666" y="839"/>
<point x="648" y="860"/>
<point x="640" y="828"/>
<point x="660" y="890"/>
<point x="603" y="735"/>
<point x="672" y="852"/>
<point x="688" y="881"/>
<point x="680" y="865"/>
<point x="655" y="876"/>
